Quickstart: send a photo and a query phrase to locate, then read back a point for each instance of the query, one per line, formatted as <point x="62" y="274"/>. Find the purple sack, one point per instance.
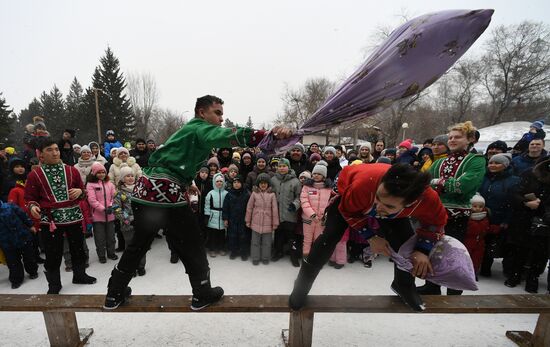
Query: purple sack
<point x="450" y="260"/>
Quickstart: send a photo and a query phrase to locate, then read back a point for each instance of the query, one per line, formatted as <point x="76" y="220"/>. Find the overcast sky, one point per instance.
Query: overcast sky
<point x="242" y="51"/>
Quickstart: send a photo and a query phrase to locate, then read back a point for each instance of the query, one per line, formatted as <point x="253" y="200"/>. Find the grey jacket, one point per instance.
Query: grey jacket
<point x="287" y="188"/>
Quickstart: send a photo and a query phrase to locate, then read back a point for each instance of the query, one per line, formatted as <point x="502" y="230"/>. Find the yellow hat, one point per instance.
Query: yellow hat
<point x="356" y="162"/>
<point x="10" y="150"/>
<point x="236" y="155"/>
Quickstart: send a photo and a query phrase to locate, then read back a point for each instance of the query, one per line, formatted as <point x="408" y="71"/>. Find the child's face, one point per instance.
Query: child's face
<point x="261" y="164"/>
<point x="425" y="157"/>
<point x="233" y="173"/>
<point x="101" y="175"/>
<point x="219" y="184"/>
<point x="19" y="170"/>
<point x="129" y="179"/>
<point x="263" y="186"/>
<point x="237" y="185"/>
<point x="477" y="207"/>
<point x="329" y="156"/>
<point x="203" y="175"/>
<point x="302" y="179"/>
<point x="282" y="169"/>
<point x="318" y="177"/>
<point x="314" y="161"/>
<point x="213" y="168"/>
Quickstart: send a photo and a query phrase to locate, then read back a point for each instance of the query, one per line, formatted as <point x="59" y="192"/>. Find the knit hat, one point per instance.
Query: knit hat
<point x="305" y="174"/>
<point x="498" y="145"/>
<point x="391" y="151"/>
<point x="502" y="158"/>
<point x="537" y="124"/>
<point x="15" y="161"/>
<point x="233" y="167"/>
<point x="314" y="156"/>
<point x="96" y="167"/>
<point x="477" y="199"/>
<point x="284" y="161"/>
<point x="274" y="160"/>
<point x="441" y="139"/>
<point x="213" y="161"/>
<point x="71" y="132"/>
<point x="383" y="160"/>
<point x="10" y="150"/>
<point x="236" y="155"/>
<point x="246" y="154"/>
<point x="127" y="145"/>
<point x="356" y="162"/>
<point x="263" y="177"/>
<point x="76" y="145"/>
<point x="109" y="132"/>
<point x="320" y="168"/>
<point x="113" y="151"/>
<point x="298" y="146"/>
<point x="407" y="144"/>
<point x="365" y="146"/>
<point x="122" y="150"/>
<point x="224" y="170"/>
<point x="93" y="143"/>
<point x="261" y="156"/>
<point x="204" y="169"/>
<point x="39" y="125"/>
<point x="125" y="171"/>
<point x="85" y="148"/>
<point x="329" y="149"/>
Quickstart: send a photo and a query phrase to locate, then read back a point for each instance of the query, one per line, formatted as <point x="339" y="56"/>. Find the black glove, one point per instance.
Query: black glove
<point x="291" y="207"/>
<point x="109" y="210"/>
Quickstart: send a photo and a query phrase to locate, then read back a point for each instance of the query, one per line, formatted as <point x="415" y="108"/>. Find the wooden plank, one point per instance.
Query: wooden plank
<point x="300" y="328"/>
<point x="528" y="303"/>
<point x="541" y="336"/>
<point x="62" y="329"/>
<point x="520" y="338"/>
<point x="85" y="335"/>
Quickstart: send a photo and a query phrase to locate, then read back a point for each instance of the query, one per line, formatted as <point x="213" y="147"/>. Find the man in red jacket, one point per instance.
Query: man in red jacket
<point x="52" y="193"/>
<point x="391" y="195"/>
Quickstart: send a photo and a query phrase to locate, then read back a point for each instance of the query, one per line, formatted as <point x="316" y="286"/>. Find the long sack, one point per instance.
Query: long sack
<point x="451" y="263"/>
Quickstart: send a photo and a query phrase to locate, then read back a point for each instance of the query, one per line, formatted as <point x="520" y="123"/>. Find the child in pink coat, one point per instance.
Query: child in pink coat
<point x="315" y="196"/>
<point x="101" y="194"/>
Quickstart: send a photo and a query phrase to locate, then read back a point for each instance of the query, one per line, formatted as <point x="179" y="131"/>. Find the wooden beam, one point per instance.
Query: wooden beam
<point x="62" y="329"/>
<point x="541" y="336"/>
<point x="300" y="328"/>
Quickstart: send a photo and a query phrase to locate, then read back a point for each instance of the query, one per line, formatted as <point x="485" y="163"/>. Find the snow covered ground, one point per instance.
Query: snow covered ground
<point x="509" y="132"/>
<point x="238" y="277"/>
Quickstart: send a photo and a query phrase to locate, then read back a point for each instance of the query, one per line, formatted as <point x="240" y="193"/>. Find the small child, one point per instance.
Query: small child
<point x="478" y="227"/>
<point x="203" y="181"/>
<point x="234" y="212"/>
<point x="262" y="216"/>
<point x="314" y="199"/>
<point x="123" y="210"/>
<point x="213" y="207"/>
<point x="213" y="166"/>
<point x="101" y="195"/>
<point x="16" y="242"/>
<point x="304" y="176"/>
<point x="233" y="171"/>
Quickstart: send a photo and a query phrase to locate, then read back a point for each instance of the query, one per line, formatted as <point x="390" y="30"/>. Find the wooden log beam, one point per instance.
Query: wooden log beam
<point x="62" y="329"/>
<point x="300" y="328"/>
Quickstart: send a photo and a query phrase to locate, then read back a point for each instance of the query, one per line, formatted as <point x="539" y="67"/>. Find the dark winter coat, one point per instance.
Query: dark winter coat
<point x="333" y="168"/>
<point x="14" y="226"/>
<point x="142" y="157"/>
<point x="524" y="162"/>
<point x="67" y="154"/>
<point x="253" y="175"/>
<point x="107" y="145"/>
<point x="204" y="186"/>
<point x="408" y="157"/>
<point x="497" y="191"/>
<point x="287" y="188"/>
<point x="234" y="210"/>
<point x="225" y="161"/>
<point x="298" y="166"/>
<point x="244" y="170"/>
<point x="523" y="143"/>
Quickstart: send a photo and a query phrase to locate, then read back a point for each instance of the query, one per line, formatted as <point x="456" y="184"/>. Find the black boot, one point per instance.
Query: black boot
<point x="302" y="285"/>
<point x="403" y="286"/>
<point x="294" y="255"/>
<point x="513" y="280"/>
<point x="203" y="293"/>
<point x="532" y="284"/>
<point x="54" y="281"/>
<point x="429" y="288"/>
<point x="118" y="291"/>
<point x="451" y="291"/>
<point x="80" y="276"/>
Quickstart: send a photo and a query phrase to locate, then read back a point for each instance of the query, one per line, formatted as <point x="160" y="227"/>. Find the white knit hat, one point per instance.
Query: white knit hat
<point x="477" y="199"/>
<point x="85" y="148"/>
<point x="125" y="171"/>
<point x="329" y="149"/>
<point x="320" y="168"/>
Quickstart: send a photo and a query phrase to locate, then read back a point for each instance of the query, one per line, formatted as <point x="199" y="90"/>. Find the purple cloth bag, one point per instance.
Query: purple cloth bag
<point x="450" y="260"/>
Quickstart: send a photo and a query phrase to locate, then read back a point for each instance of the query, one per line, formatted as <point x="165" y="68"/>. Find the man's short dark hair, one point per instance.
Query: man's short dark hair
<point x="45" y="142"/>
<point x="206" y="101"/>
<point x="539" y="139"/>
<point x="338" y="147"/>
<point x="403" y="181"/>
<point x="429" y="141"/>
<point x="140" y="140"/>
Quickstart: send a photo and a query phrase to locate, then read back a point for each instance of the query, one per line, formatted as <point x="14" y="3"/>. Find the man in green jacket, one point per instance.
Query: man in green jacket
<point x="161" y="200"/>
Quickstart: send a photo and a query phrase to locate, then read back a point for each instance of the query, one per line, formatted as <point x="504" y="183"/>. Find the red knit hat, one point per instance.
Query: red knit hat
<point x="407" y="144"/>
<point x="96" y="167"/>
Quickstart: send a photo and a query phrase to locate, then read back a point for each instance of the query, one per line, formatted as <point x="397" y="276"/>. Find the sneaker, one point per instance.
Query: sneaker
<point x="215" y="295"/>
<point x="276" y="256"/>
<point x="16" y="285"/>
<point x="174" y="259"/>
<point x="212" y="254"/>
<point x="68" y="269"/>
<point x="338" y="266"/>
<point x="112" y="302"/>
<point x="141" y="272"/>
<point x="244" y="257"/>
<point x="33" y="276"/>
<point x="513" y="281"/>
<point x="233" y="255"/>
<point x="113" y="257"/>
<point x="368" y="264"/>
<point x="265" y="261"/>
<point x="331" y="263"/>
<point x="84" y="278"/>
<point x="255" y="262"/>
<point x="102" y="260"/>
<point x="409" y="296"/>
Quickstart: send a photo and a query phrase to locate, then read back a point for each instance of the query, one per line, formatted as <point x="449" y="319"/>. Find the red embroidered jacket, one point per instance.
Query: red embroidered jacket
<point x="357" y="185"/>
<point x="52" y="195"/>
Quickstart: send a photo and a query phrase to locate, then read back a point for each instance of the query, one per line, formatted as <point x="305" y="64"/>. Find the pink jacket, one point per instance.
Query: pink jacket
<point x="314" y="200"/>
<point x="262" y="212"/>
<point x="101" y="195"/>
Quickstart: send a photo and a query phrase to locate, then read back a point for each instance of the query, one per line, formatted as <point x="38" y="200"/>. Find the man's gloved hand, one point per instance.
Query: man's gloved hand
<point x="291" y="207"/>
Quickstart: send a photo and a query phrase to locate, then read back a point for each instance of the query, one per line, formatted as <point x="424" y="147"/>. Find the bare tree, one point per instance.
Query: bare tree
<point x="516" y="67"/>
<point x="166" y="123"/>
<point x="143" y="94"/>
<point x="391" y="119"/>
<point x="301" y="103"/>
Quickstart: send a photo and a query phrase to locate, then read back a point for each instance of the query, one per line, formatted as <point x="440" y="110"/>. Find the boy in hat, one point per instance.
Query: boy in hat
<point x="110" y="143"/>
<point x="234" y="212"/>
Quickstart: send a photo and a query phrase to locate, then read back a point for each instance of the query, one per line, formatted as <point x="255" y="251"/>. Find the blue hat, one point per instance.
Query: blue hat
<point x="537" y="124"/>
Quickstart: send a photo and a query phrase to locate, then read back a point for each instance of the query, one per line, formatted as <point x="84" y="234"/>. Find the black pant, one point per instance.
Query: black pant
<point x="53" y="244"/>
<point x="182" y="232"/>
<point x="395" y="231"/>
<point x="283" y="234"/>
<point x="531" y="256"/>
<point x="13" y="258"/>
<point x="216" y="239"/>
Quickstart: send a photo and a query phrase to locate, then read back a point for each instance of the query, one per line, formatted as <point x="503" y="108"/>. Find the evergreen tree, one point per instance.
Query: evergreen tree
<point x="77" y="118"/>
<point x="114" y="106"/>
<point x="228" y="123"/>
<point x="53" y="110"/>
<point x="249" y="123"/>
<point x="6" y="121"/>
